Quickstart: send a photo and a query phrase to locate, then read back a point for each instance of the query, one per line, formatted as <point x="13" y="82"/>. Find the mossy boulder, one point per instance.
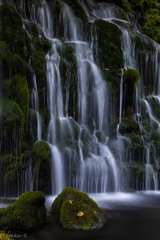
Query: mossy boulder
<point x="20" y="93"/>
<point x="129" y="125"/>
<point x="68" y="71"/>
<point x="40" y="161"/>
<point x="130" y="82"/>
<point x="130" y="128"/>
<point x="12" y="32"/>
<point x="40" y="153"/>
<point x="85" y="139"/>
<point x="77" y="210"/>
<point x="108" y="53"/>
<point x="77" y="9"/>
<point x="11" y="116"/>
<point x="26" y="212"/>
<point x="100" y="136"/>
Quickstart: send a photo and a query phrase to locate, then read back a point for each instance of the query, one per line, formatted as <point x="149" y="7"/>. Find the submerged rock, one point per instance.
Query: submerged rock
<point x="26" y="212"/>
<point x="77" y="210"/>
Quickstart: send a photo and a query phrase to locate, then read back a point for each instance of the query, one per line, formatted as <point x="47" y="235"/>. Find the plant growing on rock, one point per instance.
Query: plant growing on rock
<point x="77" y="210"/>
<point x="130" y="82"/>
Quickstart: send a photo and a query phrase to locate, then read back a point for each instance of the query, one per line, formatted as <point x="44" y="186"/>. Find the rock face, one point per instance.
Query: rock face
<point x="28" y="211"/>
<point x="77" y="210"/>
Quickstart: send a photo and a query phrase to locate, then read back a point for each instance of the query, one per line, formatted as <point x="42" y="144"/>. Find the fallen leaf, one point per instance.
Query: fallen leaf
<point x="106" y="69"/>
<point x="80" y="214"/>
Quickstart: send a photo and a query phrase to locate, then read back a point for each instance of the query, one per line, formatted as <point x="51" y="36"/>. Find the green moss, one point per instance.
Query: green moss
<point x="76" y="128"/>
<point x="12" y="63"/>
<point x="68" y="71"/>
<point x="129" y="125"/>
<point x="139" y="169"/>
<point x="20" y="93"/>
<point x="6" y="89"/>
<point x="146" y="13"/>
<point x="39" y="66"/>
<point x="136" y="141"/>
<point x="5" y="55"/>
<point x="100" y="136"/>
<point x="85" y="139"/>
<point x="18" y="66"/>
<point x="40" y="153"/>
<point x="11" y="116"/>
<point x="130" y="82"/>
<point x="90" y="124"/>
<point x="155" y="105"/>
<point x="40" y="42"/>
<point x="131" y="76"/>
<point x="28" y="211"/>
<point x="110" y="55"/>
<point x="67" y="211"/>
<point x="130" y="128"/>
<point x="145" y="46"/>
<point x="10" y="176"/>
<point x="146" y="125"/>
<point x="77" y="9"/>
<point x="12" y="33"/>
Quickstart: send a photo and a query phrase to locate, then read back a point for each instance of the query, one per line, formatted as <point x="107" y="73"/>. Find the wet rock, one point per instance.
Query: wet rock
<point x="77" y="210"/>
<point x="28" y="211"/>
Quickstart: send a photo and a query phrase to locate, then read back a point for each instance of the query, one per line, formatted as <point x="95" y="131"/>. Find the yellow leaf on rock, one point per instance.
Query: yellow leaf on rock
<point x="95" y="212"/>
<point x="80" y="214"/>
<point x="106" y="69"/>
<point x="70" y="201"/>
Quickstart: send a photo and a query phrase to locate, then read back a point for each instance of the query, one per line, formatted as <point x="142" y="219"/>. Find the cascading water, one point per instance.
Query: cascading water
<point x="82" y="154"/>
<point x="97" y="108"/>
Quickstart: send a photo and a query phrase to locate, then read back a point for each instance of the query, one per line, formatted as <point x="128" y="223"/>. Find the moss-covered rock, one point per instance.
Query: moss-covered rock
<point x="40" y="161"/>
<point x="129" y="125"/>
<point x="5" y="54"/>
<point x="130" y="128"/>
<point x="40" y="42"/>
<point x="85" y="139"/>
<point x="6" y="89"/>
<point x="12" y="32"/>
<point x="77" y="9"/>
<point x="68" y="71"/>
<point x="26" y="212"/>
<point x="40" y="153"/>
<point x="110" y="55"/>
<point x="139" y="169"/>
<point x="155" y="105"/>
<point x="11" y="116"/>
<point x="77" y="210"/>
<point x="20" y="93"/>
<point x="130" y="81"/>
<point x="91" y="124"/>
<point x="100" y="136"/>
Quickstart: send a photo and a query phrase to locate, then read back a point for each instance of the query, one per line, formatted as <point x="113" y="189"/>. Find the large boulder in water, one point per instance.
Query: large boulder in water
<point x="77" y="210"/>
<point x="26" y="212"/>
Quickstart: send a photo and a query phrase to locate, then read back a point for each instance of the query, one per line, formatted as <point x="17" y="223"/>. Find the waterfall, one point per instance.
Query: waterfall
<point x="35" y="106"/>
<point x="82" y="110"/>
<point x="97" y="108"/>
